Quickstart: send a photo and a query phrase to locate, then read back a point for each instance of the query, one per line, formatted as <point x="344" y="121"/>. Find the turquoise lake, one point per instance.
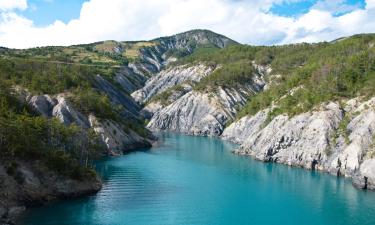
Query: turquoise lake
<point x="197" y="180"/>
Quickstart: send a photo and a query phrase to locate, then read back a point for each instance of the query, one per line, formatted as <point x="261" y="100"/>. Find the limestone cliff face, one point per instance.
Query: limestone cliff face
<point x="240" y="130"/>
<point x="189" y="111"/>
<point x="110" y="132"/>
<point x="169" y="78"/>
<point x="58" y="107"/>
<point x="201" y="113"/>
<point x="165" y="50"/>
<point x="313" y="140"/>
<point x="118" y="97"/>
<point x="116" y="138"/>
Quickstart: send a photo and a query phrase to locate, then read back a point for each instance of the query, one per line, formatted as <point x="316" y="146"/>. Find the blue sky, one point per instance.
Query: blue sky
<point x="295" y="9"/>
<point x="30" y="23"/>
<point x="44" y="12"/>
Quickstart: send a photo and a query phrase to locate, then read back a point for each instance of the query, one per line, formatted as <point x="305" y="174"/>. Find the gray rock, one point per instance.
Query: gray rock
<point x="130" y="108"/>
<point x="129" y="80"/>
<point x="111" y="133"/>
<point x="245" y="127"/>
<point x="43" y="104"/>
<point x="115" y="138"/>
<point x="365" y="179"/>
<point x="308" y="140"/>
<point x="200" y="113"/>
<point x="170" y="78"/>
<point x="203" y="113"/>
<point x="34" y="184"/>
<point x="66" y="113"/>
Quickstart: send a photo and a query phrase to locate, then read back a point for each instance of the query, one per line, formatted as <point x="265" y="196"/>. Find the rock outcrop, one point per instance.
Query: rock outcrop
<point x="111" y="133"/>
<point x="130" y="80"/>
<point x="58" y="107"/>
<point x="130" y="107"/>
<point x="200" y="113"/>
<point x="313" y="140"/>
<point x="247" y="126"/>
<point x="31" y="184"/>
<point x="115" y="137"/>
<point x="192" y="39"/>
<point x="169" y="78"/>
<point x="189" y="111"/>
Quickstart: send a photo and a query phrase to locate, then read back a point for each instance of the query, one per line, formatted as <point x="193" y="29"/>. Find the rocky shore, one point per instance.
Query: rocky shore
<point x="335" y="138"/>
<point x="26" y="184"/>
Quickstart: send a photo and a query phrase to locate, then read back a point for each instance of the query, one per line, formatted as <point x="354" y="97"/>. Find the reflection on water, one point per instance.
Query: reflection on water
<point x="196" y="180"/>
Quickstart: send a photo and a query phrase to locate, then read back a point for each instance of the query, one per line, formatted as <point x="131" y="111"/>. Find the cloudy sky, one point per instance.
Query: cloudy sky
<point x="30" y="23"/>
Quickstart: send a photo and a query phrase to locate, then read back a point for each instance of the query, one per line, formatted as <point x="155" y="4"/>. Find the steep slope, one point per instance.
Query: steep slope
<point x="99" y="71"/>
<point x="31" y="184"/>
<point x="200" y="112"/>
<point x="307" y="105"/>
<point x="312" y="117"/>
<point x="114" y="134"/>
<point x="169" y="78"/>
<point x="330" y="138"/>
<point x="201" y="93"/>
<point x="62" y="107"/>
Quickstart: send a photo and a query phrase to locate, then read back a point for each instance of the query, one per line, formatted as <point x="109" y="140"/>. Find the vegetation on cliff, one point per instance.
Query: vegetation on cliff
<point x="69" y="150"/>
<point x="317" y="73"/>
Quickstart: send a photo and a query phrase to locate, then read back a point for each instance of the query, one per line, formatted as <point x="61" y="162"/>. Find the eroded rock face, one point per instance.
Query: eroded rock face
<point x="115" y="138"/>
<point x="58" y="107"/>
<point x="312" y="140"/>
<point x="204" y="113"/>
<point x="300" y="141"/>
<point x="129" y="80"/>
<point x="200" y="113"/>
<point x="130" y="107"/>
<point x="43" y="104"/>
<point x="247" y="126"/>
<point x="170" y="78"/>
<point x="365" y="179"/>
<point x="111" y="133"/>
<point x="66" y="113"/>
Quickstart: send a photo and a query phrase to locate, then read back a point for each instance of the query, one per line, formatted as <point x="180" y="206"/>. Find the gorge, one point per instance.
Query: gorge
<point x="303" y="105"/>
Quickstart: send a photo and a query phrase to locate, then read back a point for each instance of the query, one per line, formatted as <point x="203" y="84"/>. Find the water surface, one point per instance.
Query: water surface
<point x="196" y="180"/>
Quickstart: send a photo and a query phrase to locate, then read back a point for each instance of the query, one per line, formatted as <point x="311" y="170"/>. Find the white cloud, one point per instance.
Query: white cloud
<point x="13" y="4"/>
<point x="243" y="20"/>
<point x="335" y="6"/>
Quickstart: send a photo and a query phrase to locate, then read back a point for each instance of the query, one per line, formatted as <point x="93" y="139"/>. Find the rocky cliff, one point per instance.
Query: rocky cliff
<point x="171" y="77"/>
<point x="116" y="137"/>
<point x="164" y="50"/>
<point x="204" y="113"/>
<point x="332" y="138"/>
<point x="24" y="184"/>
